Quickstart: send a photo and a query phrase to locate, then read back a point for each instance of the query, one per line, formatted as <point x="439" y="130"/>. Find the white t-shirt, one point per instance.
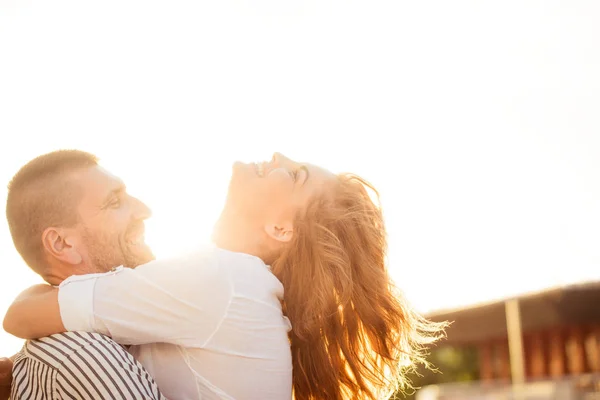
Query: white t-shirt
<point x="206" y="326"/>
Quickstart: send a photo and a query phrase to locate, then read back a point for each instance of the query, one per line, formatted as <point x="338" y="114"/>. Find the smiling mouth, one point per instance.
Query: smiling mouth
<point x="137" y="241"/>
<point x="136" y="236"/>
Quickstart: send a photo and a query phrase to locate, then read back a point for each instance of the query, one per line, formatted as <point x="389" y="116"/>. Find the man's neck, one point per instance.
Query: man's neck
<point x="59" y="272"/>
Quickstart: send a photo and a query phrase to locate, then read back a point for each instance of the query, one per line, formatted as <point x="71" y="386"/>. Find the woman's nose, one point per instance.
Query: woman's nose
<point x="280" y="160"/>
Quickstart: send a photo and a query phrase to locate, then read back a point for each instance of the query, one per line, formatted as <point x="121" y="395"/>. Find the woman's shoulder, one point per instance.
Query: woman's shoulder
<point x="240" y="261"/>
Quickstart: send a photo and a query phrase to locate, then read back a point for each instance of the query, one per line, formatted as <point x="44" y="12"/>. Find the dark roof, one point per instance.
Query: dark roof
<point x="577" y="304"/>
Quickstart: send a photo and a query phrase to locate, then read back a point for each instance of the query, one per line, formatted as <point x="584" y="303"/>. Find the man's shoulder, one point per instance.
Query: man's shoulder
<point x="56" y="349"/>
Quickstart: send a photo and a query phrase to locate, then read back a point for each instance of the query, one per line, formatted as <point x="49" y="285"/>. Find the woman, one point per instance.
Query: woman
<point x="323" y="236"/>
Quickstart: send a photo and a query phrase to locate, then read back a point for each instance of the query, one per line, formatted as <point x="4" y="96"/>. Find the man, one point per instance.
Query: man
<point x="68" y="216"/>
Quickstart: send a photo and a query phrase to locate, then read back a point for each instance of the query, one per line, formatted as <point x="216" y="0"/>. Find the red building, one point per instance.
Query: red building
<point x="553" y="335"/>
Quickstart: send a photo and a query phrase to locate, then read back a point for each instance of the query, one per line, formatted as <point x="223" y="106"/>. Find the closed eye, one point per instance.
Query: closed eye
<point x="115" y="202"/>
<point x="294" y="174"/>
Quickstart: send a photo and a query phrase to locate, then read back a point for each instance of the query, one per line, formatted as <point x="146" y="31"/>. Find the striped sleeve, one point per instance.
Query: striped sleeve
<point x="99" y="368"/>
<point x="32" y="378"/>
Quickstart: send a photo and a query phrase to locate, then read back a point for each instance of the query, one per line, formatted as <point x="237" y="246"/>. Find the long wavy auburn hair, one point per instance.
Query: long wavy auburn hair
<point x="353" y="336"/>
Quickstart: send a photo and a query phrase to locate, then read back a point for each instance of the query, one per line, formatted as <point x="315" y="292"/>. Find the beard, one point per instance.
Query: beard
<point x="108" y="250"/>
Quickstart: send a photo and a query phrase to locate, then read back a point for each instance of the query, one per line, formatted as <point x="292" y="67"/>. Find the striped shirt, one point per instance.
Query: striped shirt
<point x="79" y="365"/>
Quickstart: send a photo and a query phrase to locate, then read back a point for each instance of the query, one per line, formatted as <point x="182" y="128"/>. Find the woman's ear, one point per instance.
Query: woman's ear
<point x="280" y="232"/>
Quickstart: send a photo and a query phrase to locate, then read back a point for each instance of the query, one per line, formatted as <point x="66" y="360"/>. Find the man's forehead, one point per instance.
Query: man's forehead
<point x="109" y="175"/>
<point x="98" y="181"/>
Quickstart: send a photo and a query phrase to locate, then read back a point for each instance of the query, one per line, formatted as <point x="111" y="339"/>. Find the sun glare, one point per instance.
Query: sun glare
<point x="482" y="141"/>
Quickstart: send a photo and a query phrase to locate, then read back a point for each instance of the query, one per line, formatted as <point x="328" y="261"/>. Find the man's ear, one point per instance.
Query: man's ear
<point x="60" y="245"/>
<point x="282" y="232"/>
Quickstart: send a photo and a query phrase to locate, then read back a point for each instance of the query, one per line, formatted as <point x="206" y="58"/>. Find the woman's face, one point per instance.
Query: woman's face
<point x="270" y="194"/>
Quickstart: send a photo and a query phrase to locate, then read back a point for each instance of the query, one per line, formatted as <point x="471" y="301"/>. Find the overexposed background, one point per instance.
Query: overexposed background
<point x="478" y="121"/>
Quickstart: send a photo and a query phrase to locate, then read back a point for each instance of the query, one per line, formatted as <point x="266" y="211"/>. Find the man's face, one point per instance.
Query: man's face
<point x="111" y="222"/>
<point x="272" y="193"/>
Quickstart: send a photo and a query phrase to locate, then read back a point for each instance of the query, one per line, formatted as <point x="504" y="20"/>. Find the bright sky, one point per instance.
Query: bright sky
<point x="478" y="121"/>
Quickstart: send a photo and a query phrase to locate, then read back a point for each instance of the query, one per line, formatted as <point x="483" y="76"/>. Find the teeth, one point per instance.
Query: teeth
<point x="260" y="169"/>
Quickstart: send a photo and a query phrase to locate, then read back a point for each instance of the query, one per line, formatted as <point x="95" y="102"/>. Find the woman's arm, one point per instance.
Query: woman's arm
<point x="35" y="313"/>
<point x="180" y="301"/>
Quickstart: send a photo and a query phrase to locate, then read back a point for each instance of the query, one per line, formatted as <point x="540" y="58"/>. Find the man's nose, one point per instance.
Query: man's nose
<point x="140" y="210"/>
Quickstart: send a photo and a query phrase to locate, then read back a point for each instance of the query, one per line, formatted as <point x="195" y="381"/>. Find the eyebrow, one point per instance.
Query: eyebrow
<point x="307" y="174"/>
